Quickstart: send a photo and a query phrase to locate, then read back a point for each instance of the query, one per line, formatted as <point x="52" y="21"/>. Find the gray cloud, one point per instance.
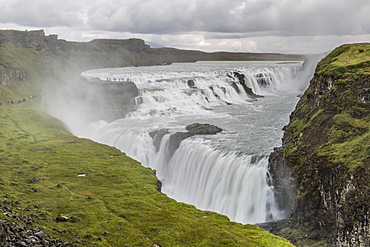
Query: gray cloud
<point x="243" y="25"/>
<point x="287" y="17"/>
<point x="41" y="13"/>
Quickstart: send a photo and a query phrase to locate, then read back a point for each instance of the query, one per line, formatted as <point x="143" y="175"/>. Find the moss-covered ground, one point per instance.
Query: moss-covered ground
<point x="115" y="203"/>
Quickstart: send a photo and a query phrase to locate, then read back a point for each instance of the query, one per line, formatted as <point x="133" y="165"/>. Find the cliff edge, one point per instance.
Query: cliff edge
<point x="322" y="170"/>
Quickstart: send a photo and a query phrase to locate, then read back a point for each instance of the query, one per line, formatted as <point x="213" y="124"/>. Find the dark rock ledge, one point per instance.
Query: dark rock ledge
<point x="192" y="130"/>
<point x="178" y="137"/>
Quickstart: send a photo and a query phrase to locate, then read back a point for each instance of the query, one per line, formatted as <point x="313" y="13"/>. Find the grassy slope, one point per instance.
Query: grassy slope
<point x="117" y="196"/>
<point x="115" y="204"/>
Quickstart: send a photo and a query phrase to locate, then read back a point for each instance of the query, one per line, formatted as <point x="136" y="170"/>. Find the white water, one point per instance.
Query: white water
<point x="228" y="172"/>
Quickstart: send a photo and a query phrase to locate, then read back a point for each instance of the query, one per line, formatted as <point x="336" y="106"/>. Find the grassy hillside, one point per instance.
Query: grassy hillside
<point x="109" y="199"/>
<point x="116" y="203"/>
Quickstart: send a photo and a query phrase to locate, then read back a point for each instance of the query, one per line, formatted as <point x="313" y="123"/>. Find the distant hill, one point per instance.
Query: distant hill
<point x="123" y="52"/>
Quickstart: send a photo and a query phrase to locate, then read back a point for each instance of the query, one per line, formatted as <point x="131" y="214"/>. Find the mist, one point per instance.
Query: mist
<point x="77" y="101"/>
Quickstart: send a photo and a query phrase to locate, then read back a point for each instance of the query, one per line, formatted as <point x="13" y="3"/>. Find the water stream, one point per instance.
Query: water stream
<point x="227" y="172"/>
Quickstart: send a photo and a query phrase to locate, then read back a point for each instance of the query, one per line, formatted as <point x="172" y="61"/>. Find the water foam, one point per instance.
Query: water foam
<point x="200" y="172"/>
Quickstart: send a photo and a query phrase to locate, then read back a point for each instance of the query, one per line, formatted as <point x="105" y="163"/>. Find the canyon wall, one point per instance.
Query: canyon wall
<point x="322" y="170"/>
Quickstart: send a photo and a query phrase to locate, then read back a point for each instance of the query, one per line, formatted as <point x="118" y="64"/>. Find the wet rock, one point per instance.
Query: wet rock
<point x="241" y="79"/>
<point x="191" y="83"/>
<point x="203" y="129"/>
<point x="157" y="136"/>
<point x="263" y="79"/>
<point x="176" y="139"/>
<point x="193" y="129"/>
<point x="159" y="185"/>
<point x="61" y="219"/>
<point x="34" y="180"/>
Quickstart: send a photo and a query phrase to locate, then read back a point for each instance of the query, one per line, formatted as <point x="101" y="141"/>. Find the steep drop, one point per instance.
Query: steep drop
<point x="228" y="172"/>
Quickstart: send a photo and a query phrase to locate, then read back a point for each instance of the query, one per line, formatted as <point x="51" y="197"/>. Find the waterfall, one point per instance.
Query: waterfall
<point x="167" y="93"/>
<point x="232" y="184"/>
<point x="218" y="173"/>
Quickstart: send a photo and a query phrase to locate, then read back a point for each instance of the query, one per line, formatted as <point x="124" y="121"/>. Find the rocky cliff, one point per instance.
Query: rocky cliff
<point x="322" y="170"/>
<point x="114" y="53"/>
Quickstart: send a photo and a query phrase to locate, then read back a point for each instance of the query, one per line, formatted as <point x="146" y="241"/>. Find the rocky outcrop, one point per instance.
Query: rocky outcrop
<point x="9" y="75"/>
<point x="178" y="137"/>
<point x="133" y="45"/>
<point x="157" y="136"/>
<point x="192" y="130"/>
<point x="35" y="40"/>
<point x="322" y="170"/>
<point x="241" y="80"/>
<point x="13" y="231"/>
<point x="203" y="129"/>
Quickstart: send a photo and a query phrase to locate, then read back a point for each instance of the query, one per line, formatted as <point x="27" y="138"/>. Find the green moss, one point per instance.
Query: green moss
<point x="345" y="127"/>
<point x="346" y="59"/>
<point x="353" y="152"/>
<point x="350" y="140"/>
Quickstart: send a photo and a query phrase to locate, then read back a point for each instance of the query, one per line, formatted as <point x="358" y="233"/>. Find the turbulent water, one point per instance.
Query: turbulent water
<point x="227" y="172"/>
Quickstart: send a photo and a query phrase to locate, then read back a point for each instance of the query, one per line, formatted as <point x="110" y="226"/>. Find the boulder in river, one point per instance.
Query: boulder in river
<point x="193" y="129"/>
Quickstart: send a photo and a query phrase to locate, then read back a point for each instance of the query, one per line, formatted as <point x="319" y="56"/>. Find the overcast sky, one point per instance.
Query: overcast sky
<point x="286" y="26"/>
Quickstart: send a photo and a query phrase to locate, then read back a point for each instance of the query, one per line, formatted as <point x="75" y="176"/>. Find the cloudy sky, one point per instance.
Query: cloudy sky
<point x="286" y="26"/>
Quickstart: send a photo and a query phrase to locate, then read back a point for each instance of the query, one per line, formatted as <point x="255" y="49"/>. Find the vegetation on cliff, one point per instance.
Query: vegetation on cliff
<point x="326" y="147"/>
<point x="79" y="190"/>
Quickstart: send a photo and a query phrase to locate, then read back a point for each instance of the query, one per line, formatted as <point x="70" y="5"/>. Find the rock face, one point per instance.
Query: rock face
<point x="35" y="40"/>
<point x="322" y="170"/>
<point x="9" y="75"/>
<point x="157" y="137"/>
<point x="203" y="129"/>
<point x="247" y="89"/>
<point x="178" y="137"/>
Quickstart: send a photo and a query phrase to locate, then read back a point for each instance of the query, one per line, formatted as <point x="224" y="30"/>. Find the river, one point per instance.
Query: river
<point x="227" y="173"/>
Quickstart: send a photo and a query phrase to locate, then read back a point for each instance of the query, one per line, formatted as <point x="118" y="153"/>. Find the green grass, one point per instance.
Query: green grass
<point x="347" y="59"/>
<point x="115" y="204"/>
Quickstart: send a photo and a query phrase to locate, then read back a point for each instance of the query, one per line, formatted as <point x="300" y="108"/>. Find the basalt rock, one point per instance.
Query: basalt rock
<point x="13" y="231"/>
<point x="322" y="170"/>
<point x="193" y="129"/>
<point x="191" y="83"/>
<point x="203" y="129"/>
<point x="241" y="79"/>
<point x="157" y="136"/>
<point x="61" y="219"/>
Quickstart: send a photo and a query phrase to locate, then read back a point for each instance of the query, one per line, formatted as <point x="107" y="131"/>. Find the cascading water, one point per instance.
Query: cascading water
<point x="228" y="172"/>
